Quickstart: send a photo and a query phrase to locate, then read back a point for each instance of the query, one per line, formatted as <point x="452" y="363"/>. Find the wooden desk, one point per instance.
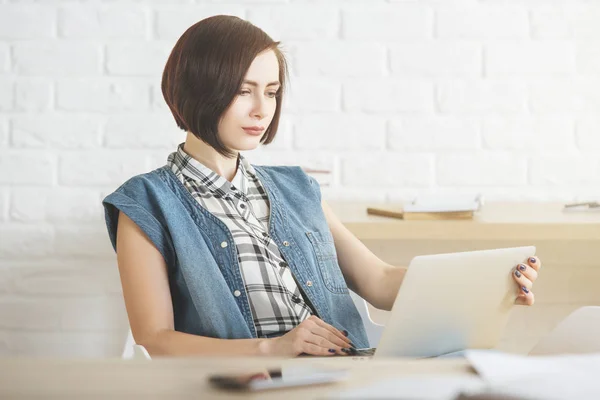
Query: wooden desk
<point x="567" y="242"/>
<point x="185" y="378"/>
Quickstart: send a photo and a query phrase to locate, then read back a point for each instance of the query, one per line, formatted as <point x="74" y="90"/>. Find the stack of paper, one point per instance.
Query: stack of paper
<point x="433" y="207"/>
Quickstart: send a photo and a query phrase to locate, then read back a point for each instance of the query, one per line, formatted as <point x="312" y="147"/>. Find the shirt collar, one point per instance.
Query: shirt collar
<point x="182" y="162"/>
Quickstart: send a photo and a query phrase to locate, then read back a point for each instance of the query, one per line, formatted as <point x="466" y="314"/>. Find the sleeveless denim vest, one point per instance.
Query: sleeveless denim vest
<point x="207" y="289"/>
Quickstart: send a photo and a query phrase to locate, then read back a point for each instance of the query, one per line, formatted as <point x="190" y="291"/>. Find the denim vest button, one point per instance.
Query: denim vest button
<point x="286" y="243"/>
<point x="223" y="244"/>
<point x="308" y="283"/>
<point x="237" y="293"/>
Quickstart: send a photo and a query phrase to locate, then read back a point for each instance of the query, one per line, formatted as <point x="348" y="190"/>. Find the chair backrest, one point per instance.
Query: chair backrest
<point x="577" y="333"/>
<point x="373" y="329"/>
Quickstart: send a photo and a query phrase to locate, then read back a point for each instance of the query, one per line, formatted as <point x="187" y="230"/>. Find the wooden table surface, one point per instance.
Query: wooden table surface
<point x="495" y="221"/>
<point x="186" y="378"/>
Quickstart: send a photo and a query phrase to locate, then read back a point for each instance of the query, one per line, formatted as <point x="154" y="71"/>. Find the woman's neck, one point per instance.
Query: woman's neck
<point x="205" y="154"/>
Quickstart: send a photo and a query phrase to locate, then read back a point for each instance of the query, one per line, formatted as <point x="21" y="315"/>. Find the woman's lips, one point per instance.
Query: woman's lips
<point x="254" y="132"/>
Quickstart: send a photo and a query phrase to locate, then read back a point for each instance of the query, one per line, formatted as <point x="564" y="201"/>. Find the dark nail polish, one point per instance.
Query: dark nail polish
<point x="345" y="332"/>
<point x="522" y="267"/>
<point x="352" y="345"/>
<point x="331" y="350"/>
<point x="346" y="350"/>
<point x="518" y="274"/>
<point x="525" y="289"/>
<point x="532" y="260"/>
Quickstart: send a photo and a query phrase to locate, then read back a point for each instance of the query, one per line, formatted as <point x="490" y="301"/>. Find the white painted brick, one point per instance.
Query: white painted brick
<point x="484" y="169"/>
<point x="578" y="21"/>
<point x="313" y="95"/>
<point x="4" y="58"/>
<point x="350" y="59"/>
<point x="26" y="22"/>
<point x="96" y="314"/>
<point x="17" y="168"/>
<point x="339" y="132"/>
<point x="157" y="99"/>
<point x="588" y="58"/>
<point x="297" y="21"/>
<point x="33" y="95"/>
<point x="87" y="168"/>
<point x="436" y="59"/>
<point x="539" y="58"/>
<point x="103" y="95"/>
<point x="388" y="96"/>
<point x="83" y="241"/>
<point x="588" y="134"/>
<point x="7" y="95"/>
<point x="56" y="131"/>
<point x="65" y="278"/>
<point x="57" y="58"/>
<point x="25" y="241"/>
<point x="171" y="21"/>
<point x="529" y="134"/>
<point x="137" y="58"/>
<point x="482" y="96"/>
<point x="565" y="170"/>
<point x="434" y="133"/>
<point x="389" y="22"/>
<point x="3" y="132"/>
<point x="105" y="22"/>
<point x="142" y="131"/>
<point x="3" y="204"/>
<point x="482" y="22"/>
<point x="30" y="314"/>
<point x="565" y="96"/>
<point x="55" y="205"/>
<point x="389" y="170"/>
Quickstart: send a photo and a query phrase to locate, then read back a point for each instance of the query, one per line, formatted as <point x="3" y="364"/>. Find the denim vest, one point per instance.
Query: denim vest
<point x="207" y="289"/>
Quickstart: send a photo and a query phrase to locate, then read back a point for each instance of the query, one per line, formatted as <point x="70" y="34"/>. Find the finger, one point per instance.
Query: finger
<point x="528" y="271"/>
<point x="315" y="350"/>
<point x="331" y="329"/>
<point x="330" y="337"/>
<point x="522" y="280"/>
<point x="534" y="263"/>
<point x="526" y="299"/>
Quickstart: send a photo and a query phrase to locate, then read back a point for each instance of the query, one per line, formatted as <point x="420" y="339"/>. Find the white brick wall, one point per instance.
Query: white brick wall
<point x="396" y="97"/>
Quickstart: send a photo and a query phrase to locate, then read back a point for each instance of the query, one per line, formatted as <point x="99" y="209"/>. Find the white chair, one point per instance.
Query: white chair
<point x="374" y="330"/>
<point x="134" y="351"/>
<point x="579" y="332"/>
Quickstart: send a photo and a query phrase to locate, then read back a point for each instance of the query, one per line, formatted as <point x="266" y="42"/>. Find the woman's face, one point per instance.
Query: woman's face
<point x="254" y="105"/>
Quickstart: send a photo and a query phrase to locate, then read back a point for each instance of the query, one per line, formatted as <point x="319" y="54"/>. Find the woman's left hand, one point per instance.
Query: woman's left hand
<point x="525" y="274"/>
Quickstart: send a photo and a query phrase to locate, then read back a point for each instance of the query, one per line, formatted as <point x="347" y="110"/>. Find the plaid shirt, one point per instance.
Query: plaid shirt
<point x="243" y="206"/>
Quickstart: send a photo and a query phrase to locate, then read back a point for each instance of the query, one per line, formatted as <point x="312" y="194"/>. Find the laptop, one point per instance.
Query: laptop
<point x="451" y="302"/>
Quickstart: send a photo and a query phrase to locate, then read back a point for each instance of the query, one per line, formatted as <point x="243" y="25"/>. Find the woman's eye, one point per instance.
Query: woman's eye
<point x="244" y="92"/>
<point x="273" y="94"/>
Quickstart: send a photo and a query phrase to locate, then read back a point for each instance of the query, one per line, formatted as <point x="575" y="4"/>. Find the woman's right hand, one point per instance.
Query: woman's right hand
<point x="312" y="336"/>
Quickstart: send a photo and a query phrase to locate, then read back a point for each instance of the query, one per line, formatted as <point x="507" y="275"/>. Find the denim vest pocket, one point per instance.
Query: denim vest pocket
<point x="331" y="274"/>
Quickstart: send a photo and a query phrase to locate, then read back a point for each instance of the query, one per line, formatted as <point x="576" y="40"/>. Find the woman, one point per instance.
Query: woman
<point x="221" y="257"/>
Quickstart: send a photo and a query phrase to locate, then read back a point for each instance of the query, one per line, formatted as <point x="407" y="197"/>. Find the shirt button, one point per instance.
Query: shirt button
<point x="242" y="205"/>
<point x="283" y="264"/>
<point x="295" y="299"/>
<point x="223" y="244"/>
<point x="237" y="293"/>
<point x="286" y="243"/>
<point x="308" y="283"/>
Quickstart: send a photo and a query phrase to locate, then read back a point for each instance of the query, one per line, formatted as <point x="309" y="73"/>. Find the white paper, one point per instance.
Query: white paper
<point x="559" y="377"/>
<point x="415" y="387"/>
<point x="444" y="203"/>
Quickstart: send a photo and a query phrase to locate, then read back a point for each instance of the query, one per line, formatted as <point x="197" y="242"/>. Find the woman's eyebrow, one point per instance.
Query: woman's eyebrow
<point x="256" y="84"/>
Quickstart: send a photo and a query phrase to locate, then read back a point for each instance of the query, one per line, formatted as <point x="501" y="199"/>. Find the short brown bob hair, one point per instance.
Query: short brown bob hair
<point x="205" y="72"/>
